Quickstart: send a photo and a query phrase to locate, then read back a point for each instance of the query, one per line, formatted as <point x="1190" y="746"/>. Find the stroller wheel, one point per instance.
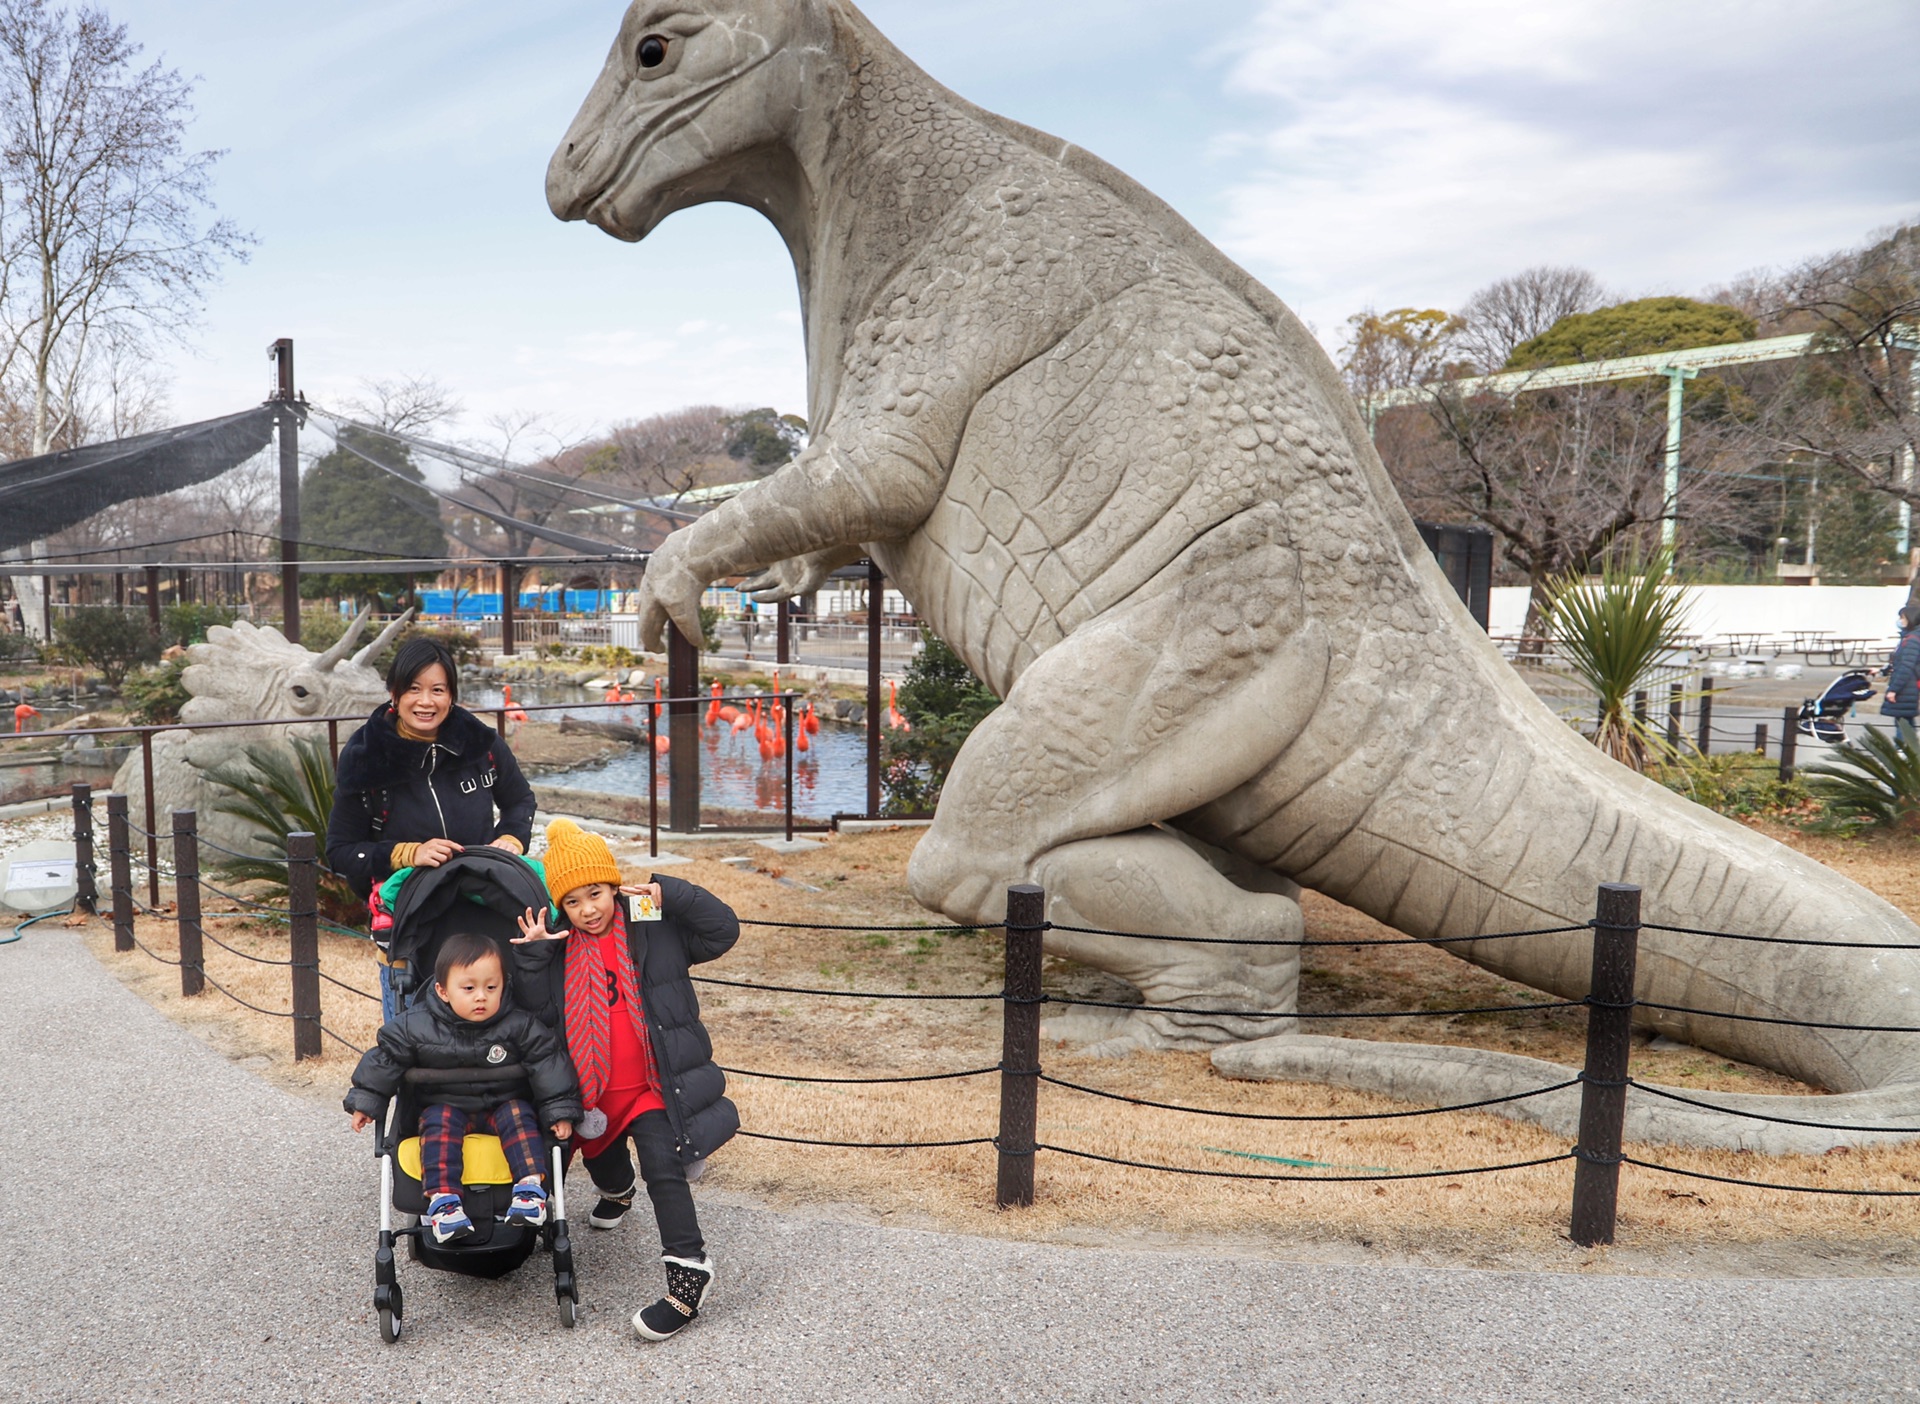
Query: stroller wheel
<point x="569" y="1312"/>
<point x="387" y="1304"/>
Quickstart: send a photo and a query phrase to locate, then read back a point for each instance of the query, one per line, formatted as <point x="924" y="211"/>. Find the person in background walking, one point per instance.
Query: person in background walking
<point x="1902" y="700"/>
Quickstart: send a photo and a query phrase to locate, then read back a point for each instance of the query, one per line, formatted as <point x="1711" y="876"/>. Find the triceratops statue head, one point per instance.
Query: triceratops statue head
<point x="244" y="673"/>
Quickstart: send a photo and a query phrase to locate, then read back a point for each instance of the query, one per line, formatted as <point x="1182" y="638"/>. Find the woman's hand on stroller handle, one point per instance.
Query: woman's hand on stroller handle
<point x="434" y="852"/>
<point x="562" y="1130"/>
<point x="533" y="927"/>
<point x="361" y="1121"/>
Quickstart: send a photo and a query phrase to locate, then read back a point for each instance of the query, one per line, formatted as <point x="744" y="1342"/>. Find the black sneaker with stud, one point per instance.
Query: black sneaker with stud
<point x="689" y="1283"/>
<point x="611" y="1209"/>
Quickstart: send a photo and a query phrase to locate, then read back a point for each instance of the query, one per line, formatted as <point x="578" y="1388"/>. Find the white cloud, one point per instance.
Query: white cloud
<point x="1406" y="152"/>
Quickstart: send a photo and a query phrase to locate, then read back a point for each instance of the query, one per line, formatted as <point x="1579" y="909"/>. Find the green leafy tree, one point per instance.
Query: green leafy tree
<point x="944" y="702"/>
<point x="345" y="501"/>
<point x="765" y="439"/>
<point x="183" y="624"/>
<point x="1640" y="328"/>
<point x="108" y="638"/>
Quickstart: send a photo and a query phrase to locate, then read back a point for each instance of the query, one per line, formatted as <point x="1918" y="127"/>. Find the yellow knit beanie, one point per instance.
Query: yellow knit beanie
<point x="575" y="858"/>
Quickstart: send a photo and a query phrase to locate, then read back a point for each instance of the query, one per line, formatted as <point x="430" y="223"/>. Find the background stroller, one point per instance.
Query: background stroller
<point x="481" y="890"/>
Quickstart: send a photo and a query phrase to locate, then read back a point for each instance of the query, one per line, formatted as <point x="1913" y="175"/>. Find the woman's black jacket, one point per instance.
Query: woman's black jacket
<point x="390" y="790"/>
<point x="695" y="926"/>
<point x="431" y="1035"/>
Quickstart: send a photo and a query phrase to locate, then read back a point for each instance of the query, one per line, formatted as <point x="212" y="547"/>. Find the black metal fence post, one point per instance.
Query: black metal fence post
<point x="120" y="871"/>
<point x="653" y="779"/>
<point x="84" y="868"/>
<point x="1603" y="1091"/>
<point x="1789" y="735"/>
<point x="1674" y="693"/>
<point x="788" y="722"/>
<point x="1020" y="1046"/>
<point x="186" y="901"/>
<point x="1705" y="744"/>
<point x="304" y="946"/>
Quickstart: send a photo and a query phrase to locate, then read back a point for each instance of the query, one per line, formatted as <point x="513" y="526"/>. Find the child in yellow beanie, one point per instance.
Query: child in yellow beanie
<point x="620" y="993"/>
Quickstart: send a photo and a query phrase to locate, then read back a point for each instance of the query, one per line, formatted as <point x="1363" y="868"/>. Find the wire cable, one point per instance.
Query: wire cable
<point x="861" y="1081"/>
<point x="1783" y="940"/>
<point x="869" y="1145"/>
<point x="1238" y="941"/>
<point x="840" y="994"/>
<point x="1277" y="1116"/>
<point x="1302" y="1014"/>
<point x="1777" y="1120"/>
<point x="1331" y="1179"/>
<point x="1788" y="1023"/>
<point x="1766" y="1185"/>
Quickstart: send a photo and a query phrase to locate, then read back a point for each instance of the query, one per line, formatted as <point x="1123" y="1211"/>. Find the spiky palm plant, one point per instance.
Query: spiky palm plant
<point x="1613" y="632"/>
<point x="1876" y="783"/>
<point x="278" y="790"/>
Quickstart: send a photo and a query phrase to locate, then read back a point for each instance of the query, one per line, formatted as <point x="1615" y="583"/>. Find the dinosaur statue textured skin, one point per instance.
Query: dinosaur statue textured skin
<point x="244" y="673"/>
<point x="1125" y="484"/>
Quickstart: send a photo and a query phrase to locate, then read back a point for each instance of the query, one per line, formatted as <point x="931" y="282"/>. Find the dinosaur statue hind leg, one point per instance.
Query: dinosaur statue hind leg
<point x="1146" y="714"/>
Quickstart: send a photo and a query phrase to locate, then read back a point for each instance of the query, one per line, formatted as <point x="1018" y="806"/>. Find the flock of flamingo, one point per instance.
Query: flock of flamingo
<point x="768" y="724"/>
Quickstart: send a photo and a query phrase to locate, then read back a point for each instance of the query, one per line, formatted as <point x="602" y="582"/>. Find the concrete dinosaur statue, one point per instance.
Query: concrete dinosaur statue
<point x="1127" y="486"/>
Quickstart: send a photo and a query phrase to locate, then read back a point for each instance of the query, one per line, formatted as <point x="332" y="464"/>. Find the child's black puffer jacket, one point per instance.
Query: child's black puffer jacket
<point x="431" y="1035"/>
<point x="695" y="926"/>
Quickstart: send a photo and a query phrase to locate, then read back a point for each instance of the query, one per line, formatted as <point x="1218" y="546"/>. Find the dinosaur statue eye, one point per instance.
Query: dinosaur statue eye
<point x="299" y="691"/>
<point x="653" y="51"/>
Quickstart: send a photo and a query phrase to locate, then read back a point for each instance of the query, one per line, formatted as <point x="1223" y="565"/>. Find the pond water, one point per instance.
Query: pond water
<point x="829" y="778"/>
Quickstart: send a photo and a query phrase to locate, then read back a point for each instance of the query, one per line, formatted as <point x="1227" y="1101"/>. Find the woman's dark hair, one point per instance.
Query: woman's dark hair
<point x="417" y="655"/>
<point x="464" y="948"/>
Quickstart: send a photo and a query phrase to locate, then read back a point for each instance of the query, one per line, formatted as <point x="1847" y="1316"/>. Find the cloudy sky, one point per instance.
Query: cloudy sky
<point x="389" y="156"/>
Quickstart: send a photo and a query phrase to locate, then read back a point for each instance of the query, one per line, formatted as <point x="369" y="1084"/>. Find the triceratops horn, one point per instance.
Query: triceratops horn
<point x="387" y="635"/>
<point x="344" y="644"/>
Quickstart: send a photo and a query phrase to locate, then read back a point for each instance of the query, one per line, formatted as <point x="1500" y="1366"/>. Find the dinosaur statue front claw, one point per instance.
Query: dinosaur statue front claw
<point x="669" y="591"/>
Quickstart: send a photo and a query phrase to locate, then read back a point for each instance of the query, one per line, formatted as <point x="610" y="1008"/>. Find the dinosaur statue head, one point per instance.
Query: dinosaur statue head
<point x="695" y="103"/>
<point x="242" y="673"/>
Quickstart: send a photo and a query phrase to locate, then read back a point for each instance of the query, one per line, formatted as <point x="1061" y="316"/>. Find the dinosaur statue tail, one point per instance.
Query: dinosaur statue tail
<point x="1498" y="817"/>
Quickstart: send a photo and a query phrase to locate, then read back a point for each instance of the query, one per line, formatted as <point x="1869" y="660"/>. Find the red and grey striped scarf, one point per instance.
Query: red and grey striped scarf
<point x="589" y="1039"/>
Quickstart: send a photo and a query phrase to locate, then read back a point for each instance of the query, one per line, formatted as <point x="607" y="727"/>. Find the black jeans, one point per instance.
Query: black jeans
<point x="612" y="1171"/>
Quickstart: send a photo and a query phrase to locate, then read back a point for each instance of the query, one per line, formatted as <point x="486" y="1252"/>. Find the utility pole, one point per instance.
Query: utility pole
<point x="287" y="424"/>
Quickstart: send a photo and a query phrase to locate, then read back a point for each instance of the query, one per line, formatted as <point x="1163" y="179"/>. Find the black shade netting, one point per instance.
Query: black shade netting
<point x="40" y="496"/>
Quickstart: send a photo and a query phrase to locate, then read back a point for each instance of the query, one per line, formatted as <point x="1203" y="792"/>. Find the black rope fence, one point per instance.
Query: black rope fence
<point x="1603" y="1082"/>
<point x="1318" y="1116"/>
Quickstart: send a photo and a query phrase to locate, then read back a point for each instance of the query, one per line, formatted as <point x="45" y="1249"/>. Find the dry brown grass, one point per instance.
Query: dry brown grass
<point x="1513" y="1217"/>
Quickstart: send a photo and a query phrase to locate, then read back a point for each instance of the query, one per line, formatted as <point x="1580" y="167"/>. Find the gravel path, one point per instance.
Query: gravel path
<point x="177" y="1229"/>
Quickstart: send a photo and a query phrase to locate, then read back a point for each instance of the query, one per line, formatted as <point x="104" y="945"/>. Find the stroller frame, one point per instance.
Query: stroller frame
<point x="388" y="1300"/>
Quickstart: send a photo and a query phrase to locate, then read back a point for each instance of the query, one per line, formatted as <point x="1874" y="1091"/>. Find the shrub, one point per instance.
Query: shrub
<point x="183" y="624"/>
<point x="108" y="638"/>
<point x="278" y="790"/>
<point x="1875" y="784"/>
<point x="710" y="616"/>
<point x="1613" y="633"/>
<point x="944" y="701"/>
<point x="1740" y="785"/>
<point x="155" y="696"/>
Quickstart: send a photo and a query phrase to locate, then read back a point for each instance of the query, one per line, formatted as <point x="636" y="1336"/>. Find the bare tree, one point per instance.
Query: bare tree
<point x="1854" y="403"/>
<point x="1407" y="346"/>
<point x="103" y="233"/>
<point x="1511" y="310"/>
<point x="404" y="404"/>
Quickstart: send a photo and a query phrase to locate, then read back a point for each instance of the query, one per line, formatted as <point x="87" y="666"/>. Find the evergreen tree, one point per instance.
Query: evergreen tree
<point x="346" y="501"/>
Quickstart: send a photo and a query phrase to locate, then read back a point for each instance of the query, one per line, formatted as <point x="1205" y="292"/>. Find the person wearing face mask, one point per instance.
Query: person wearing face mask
<point x="423" y="780"/>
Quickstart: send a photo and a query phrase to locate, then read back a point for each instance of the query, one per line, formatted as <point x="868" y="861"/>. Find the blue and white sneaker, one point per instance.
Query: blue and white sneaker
<point x="447" y="1219"/>
<point x="529" y="1206"/>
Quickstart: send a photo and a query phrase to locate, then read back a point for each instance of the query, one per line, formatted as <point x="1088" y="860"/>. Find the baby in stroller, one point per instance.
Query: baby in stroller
<point x="465" y="1022"/>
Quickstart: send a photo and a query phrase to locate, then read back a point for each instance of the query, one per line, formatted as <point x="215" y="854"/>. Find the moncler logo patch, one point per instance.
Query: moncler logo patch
<point x="496" y="1054"/>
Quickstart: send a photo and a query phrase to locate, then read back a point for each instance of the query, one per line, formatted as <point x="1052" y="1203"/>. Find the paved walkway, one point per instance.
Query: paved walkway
<point x="177" y="1229"/>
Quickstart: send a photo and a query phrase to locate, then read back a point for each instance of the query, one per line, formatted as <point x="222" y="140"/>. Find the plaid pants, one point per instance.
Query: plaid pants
<point x="442" y="1128"/>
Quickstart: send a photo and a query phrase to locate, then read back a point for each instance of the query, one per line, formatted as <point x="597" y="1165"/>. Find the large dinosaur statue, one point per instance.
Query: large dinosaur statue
<point x="1123" y="481"/>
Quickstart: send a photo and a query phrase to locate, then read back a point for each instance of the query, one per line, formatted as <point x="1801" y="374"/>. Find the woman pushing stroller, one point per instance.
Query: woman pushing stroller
<point x="420" y="782"/>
